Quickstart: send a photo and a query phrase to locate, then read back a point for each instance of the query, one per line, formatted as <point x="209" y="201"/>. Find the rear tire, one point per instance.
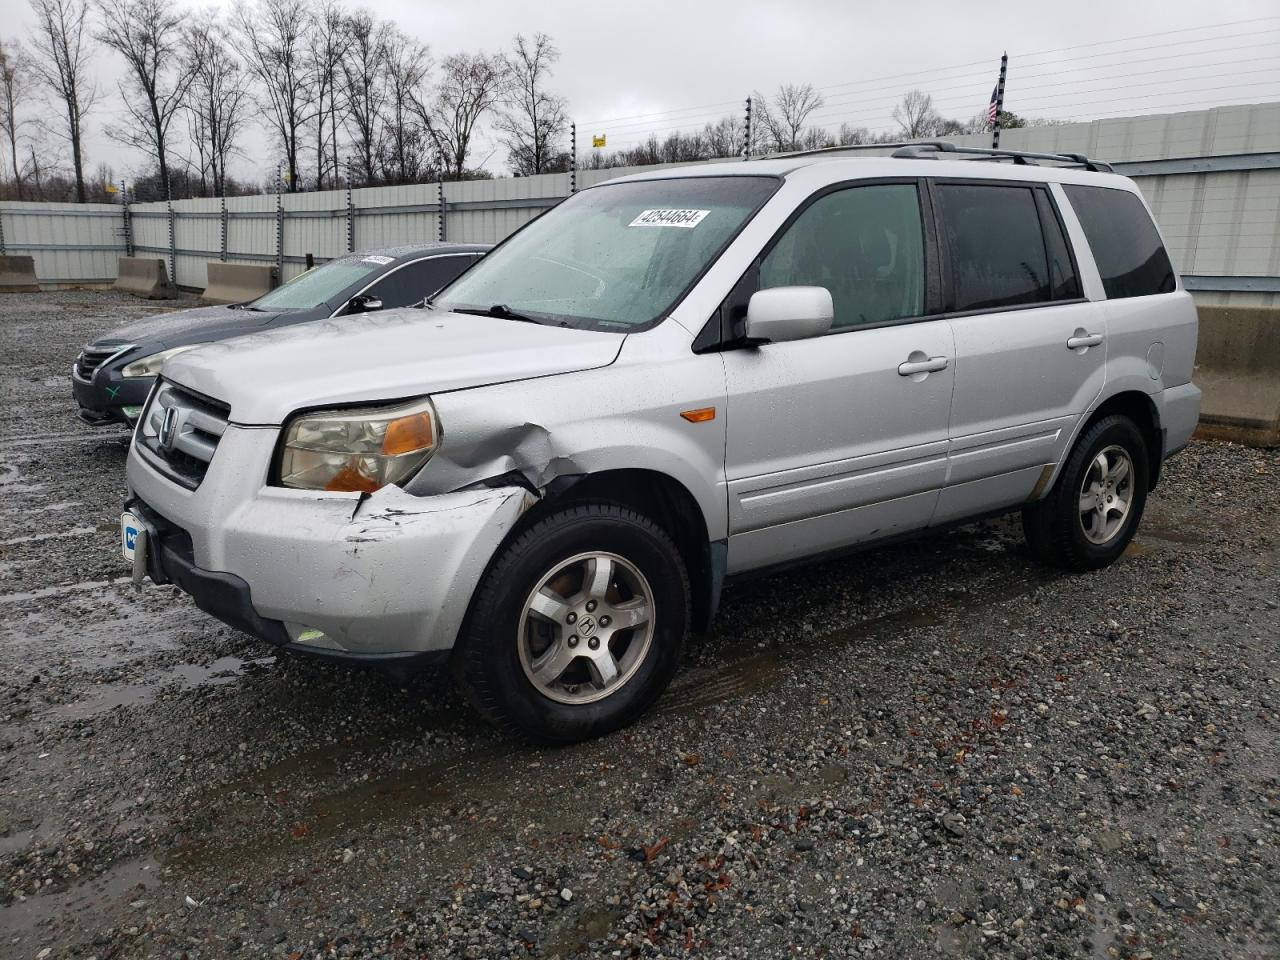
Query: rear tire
<point x="577" y="626"/>
<point x="1095" y="506"/>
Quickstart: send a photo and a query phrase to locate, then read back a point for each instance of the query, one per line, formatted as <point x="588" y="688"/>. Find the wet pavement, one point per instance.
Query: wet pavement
<point x="934" y="749"/>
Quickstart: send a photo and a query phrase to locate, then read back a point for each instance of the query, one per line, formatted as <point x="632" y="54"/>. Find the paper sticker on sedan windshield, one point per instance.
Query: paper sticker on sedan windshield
<point x="669" y="218"/>
<point x="380" y="260"/>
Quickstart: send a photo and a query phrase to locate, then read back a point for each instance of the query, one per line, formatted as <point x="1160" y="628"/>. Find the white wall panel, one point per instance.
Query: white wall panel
<point x="1220" y="224"/>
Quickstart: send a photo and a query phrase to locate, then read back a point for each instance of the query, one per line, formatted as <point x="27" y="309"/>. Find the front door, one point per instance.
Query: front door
<point x="842" y="438"/>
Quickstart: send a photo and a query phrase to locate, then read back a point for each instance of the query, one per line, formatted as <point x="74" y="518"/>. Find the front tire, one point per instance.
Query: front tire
<point x="577" y="626"/>
<point x="1095" y="506"/>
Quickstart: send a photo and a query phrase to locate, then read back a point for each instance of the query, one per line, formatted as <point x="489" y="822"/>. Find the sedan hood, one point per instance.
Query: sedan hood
<point x="183" y="326"/>
<point x="395" y="355"/>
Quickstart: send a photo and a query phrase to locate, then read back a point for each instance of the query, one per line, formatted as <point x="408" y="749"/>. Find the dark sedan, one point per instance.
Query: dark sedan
<point x="113" y="375"/>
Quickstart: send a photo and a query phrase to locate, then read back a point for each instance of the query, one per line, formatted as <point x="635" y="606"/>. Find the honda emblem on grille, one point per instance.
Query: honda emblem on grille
<point x="168" y="428"/>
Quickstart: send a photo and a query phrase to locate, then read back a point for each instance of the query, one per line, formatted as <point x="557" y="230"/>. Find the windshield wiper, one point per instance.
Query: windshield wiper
<point x="499" y="310"/>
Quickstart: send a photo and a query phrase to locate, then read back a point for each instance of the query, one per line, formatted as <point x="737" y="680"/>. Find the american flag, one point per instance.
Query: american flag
<point x="992" y="107"/>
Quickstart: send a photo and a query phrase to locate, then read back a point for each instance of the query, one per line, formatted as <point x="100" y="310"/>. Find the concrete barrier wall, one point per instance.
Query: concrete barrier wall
<point x="18" y="275"/>
<point x="144" y="278"/>
<point x="237" y="282"/>
<point x="1238" y="368"/>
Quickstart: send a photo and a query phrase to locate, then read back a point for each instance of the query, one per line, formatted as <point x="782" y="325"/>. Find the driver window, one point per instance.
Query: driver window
<point x="412" y="282"/>
<point x="865" y="245"/>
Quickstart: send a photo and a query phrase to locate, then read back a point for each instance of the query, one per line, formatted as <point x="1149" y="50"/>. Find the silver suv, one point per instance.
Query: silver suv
<point x="667" y="381"/>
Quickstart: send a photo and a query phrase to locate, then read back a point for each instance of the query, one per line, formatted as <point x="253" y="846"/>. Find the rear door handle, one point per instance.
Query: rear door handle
<point x="1089" y="340"/>
<point x="932" y="365"/>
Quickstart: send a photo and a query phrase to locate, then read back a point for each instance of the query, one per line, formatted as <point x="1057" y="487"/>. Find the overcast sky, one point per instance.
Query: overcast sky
<point x="656" y="65"/>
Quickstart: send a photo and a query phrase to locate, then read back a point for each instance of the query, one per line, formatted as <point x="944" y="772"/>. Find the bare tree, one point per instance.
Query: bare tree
<point x="217" y="99"/>
<point x="364" y="89"/>
<point x="850" y="135"/>
<point x="148" y="34"/>
<point x="272" y="36"/>
<point x="13" y="84"/>
<point x="404" y="153"/>
<point x="915" y="115"/>
<point x="470" y="85"/>
<point x="534" y="118"/>
<point x="724" y="137"/>
<point x="786" y="116"/>
<point x="62" y="45"/>
<point x="327" y="45"/>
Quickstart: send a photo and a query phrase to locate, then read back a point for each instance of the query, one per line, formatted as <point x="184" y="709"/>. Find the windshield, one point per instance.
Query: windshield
<point x="615" y="256"/>
<point x="321" y="284"/>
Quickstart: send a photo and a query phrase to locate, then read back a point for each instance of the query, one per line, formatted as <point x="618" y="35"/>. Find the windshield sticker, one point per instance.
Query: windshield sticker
<point x="669" y="218"/>
<point x="380" y="260"/>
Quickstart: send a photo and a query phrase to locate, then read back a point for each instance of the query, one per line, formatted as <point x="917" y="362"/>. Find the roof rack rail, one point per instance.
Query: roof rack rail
<point x="930" y="149"/>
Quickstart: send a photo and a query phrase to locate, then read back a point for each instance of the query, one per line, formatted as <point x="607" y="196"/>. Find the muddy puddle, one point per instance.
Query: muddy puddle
<point x="102" y="698"/>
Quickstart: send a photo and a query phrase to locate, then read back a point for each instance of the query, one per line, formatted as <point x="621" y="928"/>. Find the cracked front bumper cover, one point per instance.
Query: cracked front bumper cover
<point x="381" y="575"/>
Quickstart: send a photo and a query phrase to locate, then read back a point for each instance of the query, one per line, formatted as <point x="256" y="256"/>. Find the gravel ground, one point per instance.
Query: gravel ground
<point x="938" y="748"/>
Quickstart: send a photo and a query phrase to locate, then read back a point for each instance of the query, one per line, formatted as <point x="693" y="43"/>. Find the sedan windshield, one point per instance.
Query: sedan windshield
<point x="617" y="256"/>
<point x="321" y="284"/>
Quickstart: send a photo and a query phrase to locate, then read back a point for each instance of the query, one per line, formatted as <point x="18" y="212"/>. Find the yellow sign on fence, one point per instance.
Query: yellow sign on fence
<point x="598" y="142"/>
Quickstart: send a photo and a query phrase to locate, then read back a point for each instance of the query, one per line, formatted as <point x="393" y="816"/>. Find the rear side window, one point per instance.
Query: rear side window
<point x="1124" y="241"/>
<point x="865" y="245"/>
<point x="995" y="247"/>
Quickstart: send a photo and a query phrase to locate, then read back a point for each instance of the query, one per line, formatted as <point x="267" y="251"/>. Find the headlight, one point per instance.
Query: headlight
<point x="358" y="449"/>
<point x="150" y="366"/>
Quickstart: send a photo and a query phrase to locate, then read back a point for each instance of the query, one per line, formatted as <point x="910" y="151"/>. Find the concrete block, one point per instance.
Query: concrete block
<point x="237" y="282"/>
<point x="18" y="275"/>
<point x="146" y="278"/>
<point x="1238" y="368"/>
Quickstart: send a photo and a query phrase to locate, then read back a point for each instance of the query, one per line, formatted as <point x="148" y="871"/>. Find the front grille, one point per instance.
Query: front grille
<point x="92" y="357"/>
<point x="183" y="450"/>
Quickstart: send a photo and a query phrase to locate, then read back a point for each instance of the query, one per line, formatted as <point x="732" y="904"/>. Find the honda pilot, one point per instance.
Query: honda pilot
<point x="666" y="382"/>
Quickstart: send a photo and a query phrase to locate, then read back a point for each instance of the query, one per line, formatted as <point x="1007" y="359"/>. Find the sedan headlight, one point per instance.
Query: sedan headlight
<point x="358" y="449"/>
<point x="151" y="366"/>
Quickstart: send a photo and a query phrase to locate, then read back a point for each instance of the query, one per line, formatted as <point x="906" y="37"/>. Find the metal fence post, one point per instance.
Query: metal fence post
<point x="222" y="220"/>
<point x="351" y="220"/>
<point x="1" y="233"/>
<point x="279" y="238"/>
<point x="173" y="245"/>
<point x="441" y="230"/>
<point x="995" y="127"/>
<point x="746" y="138"/>
<point x="573" y="158"/>
<point x="127" y="216"/>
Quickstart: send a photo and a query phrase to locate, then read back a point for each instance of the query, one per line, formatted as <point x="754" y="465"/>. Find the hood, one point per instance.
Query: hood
<point x="178" y="327"/>
<point x="368" y="358"/>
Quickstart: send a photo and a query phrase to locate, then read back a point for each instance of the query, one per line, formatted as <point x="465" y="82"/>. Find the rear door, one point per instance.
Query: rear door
<point x="835" y="439"/>
<point x="1030" y="350"/>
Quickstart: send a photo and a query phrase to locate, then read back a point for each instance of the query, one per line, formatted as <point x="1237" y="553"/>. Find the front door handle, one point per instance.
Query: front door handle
<point x="910" y="368"/>
<point x="1082" y="339"/>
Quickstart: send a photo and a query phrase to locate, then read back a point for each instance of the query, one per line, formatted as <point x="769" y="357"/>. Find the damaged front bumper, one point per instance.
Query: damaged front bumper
<point x="376" y="576"/>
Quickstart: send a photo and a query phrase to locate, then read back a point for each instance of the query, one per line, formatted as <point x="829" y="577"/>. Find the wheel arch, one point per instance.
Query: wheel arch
<point x="1141" y="409"/>
<point x="663" y="499"/>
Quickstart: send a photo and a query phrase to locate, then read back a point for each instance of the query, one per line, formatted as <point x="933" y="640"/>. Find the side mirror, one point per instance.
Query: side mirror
<point x="364" y="304"/>
<point x="788" y="313"/>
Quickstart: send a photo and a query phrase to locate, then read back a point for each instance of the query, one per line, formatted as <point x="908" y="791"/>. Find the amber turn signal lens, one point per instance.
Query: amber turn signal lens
<point x="408" y="435"/>
<point x="701" y="415"/>
<point x="351" y="480"/>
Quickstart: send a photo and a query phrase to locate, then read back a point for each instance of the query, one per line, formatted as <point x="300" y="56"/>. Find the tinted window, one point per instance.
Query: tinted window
<point x="865" y="245"/>
<point x="1124" y="241"/>
<point x="995" y="247"/>
<point x="411" y="283"/>
<point x="1064" y="283"/>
